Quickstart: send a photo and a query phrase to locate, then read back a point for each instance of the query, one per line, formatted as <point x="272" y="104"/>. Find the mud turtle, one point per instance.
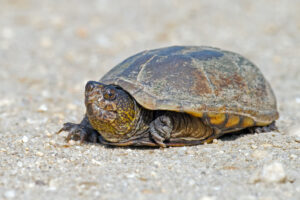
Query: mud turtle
<point x="175" y="96"/>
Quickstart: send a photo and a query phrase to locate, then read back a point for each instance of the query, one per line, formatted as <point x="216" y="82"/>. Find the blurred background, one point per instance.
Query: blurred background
<point x="49" y="49"/>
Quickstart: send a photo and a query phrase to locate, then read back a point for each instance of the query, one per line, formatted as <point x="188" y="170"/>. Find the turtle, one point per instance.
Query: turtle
<point x="175" y="96"/>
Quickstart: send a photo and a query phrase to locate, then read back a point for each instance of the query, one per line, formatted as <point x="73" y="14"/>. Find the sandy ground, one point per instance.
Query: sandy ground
<point x="49" y="49"/>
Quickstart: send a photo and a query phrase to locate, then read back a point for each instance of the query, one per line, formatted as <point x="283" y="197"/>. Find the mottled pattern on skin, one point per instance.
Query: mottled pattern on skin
<point x="116" y="119"/>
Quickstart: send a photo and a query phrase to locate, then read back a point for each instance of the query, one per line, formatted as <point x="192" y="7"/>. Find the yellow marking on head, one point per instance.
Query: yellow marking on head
<point x="233" y="120"/>
<point x="247" y="122"/>
<point x="216" y="118"/>
<point x="129" y="115"/>
<point x="110" y="106"/>
<point x="262" y="123"/>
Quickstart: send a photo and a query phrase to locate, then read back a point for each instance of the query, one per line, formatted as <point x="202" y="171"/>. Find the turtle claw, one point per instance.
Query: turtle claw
<point x="158" y="139"/>
<point x="78" y="132"/>
<point x="161" y="129"/>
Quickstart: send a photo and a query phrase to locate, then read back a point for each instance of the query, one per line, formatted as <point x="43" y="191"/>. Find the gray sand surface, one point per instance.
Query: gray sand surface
<point x="50" y="49"/>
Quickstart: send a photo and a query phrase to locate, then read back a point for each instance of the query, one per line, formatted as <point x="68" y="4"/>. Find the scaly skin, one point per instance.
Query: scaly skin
<point x="113" y="114"/>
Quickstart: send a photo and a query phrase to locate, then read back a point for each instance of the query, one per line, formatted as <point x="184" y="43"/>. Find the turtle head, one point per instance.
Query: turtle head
<point x="110" y="110"/>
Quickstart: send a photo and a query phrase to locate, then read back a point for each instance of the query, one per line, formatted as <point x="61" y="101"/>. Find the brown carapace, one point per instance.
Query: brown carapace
<point x="175" y="96"/>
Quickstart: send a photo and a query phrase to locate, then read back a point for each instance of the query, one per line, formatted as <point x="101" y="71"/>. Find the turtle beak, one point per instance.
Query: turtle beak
<point x="92" y="91"/>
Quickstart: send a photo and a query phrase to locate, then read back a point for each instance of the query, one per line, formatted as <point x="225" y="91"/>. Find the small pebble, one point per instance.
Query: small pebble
<point x="259" y="154"/>
<point x="130" y="175"/>
<point x="43" y="108"/>
<point x="31" y="185"/>
<point x="153" y="174"/>
<point x="38" y="153"/>
<point x="267" y="145"/>
<point x="19" y="164"/>
<point x="45" y="42"/>
<point x="40" y="182"/>
<point x="293" y="156"/>
<point x="96" y="162"/>
<point x="10" y="194"/>
<point x="48" y="134"/>
<point x="25" y="139"/>
<point x="52" y="142"/>
<point x="157" y="163"/>
<point x="215" y="141"/>
<point x="271" y="173"/>
<point x="71" y="142"/>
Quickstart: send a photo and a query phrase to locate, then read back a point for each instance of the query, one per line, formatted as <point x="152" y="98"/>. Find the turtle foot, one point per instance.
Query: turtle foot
<point x="161" y="129"/>
<point x="79" y="132"/>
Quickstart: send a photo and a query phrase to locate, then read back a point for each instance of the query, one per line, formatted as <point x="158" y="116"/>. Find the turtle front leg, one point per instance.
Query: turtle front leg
<point x="160" y="129"/>
<point x="83" y="131"/>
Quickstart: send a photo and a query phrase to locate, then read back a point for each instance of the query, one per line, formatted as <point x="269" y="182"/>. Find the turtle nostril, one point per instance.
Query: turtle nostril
<point x="90" y="86"/>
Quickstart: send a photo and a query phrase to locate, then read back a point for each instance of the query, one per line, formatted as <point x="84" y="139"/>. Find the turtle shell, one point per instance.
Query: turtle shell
<point x="196" y="80"/>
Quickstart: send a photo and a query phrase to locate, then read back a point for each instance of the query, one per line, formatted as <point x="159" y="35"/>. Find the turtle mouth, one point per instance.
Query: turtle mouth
<point x="95" y="111"/>
<point x="101" y="110"/>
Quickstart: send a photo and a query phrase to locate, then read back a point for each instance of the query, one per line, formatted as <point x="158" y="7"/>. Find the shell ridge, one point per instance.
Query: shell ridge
<point x="211" y="86"/>
<point x="143" y="67"/>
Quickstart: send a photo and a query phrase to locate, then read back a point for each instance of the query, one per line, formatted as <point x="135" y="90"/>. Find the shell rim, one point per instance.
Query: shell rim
<point x="157" y="104"/>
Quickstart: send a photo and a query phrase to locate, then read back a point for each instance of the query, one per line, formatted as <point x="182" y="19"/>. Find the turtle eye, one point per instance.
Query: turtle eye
<point x="109" y="94"/>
